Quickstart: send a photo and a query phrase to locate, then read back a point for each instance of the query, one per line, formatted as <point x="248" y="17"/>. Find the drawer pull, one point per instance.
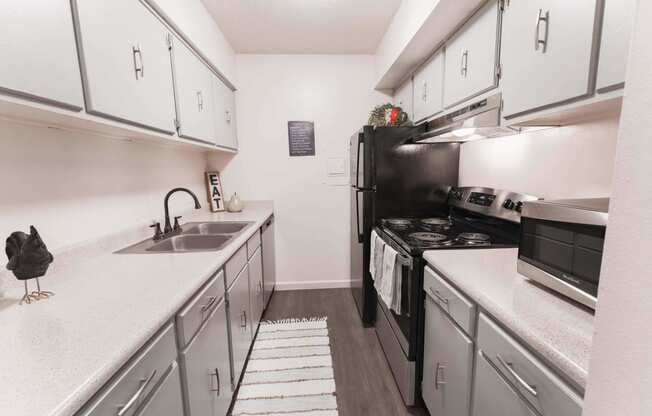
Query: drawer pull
<point x="122" y="410"/>
<point x="437" y="381"/>
<point x="217" y="376"/>
<point x="211" y="302"/>
<point x="243" y="320"/>
<point x="438" y="295"/>
<point x="509" y="367"/>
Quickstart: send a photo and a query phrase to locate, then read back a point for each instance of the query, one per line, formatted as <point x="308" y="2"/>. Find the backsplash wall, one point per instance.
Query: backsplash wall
<point x="567" y="162"/>
<point x="76" y="188"/>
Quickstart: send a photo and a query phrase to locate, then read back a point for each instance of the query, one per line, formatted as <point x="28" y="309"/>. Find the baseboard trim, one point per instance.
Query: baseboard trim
<point x="318" y="284"/>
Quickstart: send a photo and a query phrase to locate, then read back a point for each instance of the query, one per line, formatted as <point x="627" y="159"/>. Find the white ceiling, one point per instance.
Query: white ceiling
<point x="303" y="26"/>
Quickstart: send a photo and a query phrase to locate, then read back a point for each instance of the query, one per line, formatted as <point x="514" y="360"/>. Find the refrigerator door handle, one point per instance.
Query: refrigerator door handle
<point x="357" y="164"/>
<point x="357" y="215"/>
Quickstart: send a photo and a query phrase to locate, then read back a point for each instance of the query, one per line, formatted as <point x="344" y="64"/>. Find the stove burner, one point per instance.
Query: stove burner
<point x="474" y="238"/>
<point x="435" y="221"/>
<point x="428" y="237"/>
<point x="399" y="223"/>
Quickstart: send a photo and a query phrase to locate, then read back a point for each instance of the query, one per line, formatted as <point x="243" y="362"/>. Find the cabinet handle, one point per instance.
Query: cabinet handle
<point x="439" y="296"/>
<point x="437" y="381"/>
<point x="217" y="376"/>
<point x="243" y="320"/>
<point x="228" y="116"/>
<point x="211" y="302"/>
<point x="464" y="63"/>
<point x="123" y="409"/>
<point x="424" y="94"/>
<point x="510" y="369"/>
<point x="200" y="101"/>
<point x="543" y="43"/>
<point x="139" y="65"/>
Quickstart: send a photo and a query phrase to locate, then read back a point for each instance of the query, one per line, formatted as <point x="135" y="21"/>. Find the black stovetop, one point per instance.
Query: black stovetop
<point x="459" y="230"/>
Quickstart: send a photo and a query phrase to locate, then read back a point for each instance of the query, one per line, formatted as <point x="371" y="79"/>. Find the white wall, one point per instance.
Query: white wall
<point x="621" y="365"/>
<point x="192" y="18"/>
<point x="567" y="162"/>
<point x="336" y="92"/>
<point x="75" y="187"/>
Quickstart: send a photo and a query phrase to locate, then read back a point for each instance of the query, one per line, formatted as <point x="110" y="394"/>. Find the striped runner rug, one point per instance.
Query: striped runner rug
<point x="290" y="371"/>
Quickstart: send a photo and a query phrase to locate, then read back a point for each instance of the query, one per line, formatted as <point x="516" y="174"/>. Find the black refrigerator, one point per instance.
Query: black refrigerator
<point x="393" y="177"/>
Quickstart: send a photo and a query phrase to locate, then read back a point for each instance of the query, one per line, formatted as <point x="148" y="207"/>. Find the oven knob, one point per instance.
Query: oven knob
<point x="509" y="204"/>
<point x="519" y="206"/>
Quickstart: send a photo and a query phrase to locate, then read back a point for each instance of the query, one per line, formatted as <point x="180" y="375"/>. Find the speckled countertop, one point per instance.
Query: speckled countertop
<point x="56" y="353"/>
<point x="558" y="330"/>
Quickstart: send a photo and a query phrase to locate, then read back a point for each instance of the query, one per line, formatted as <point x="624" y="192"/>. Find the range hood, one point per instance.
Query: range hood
<point x="479" y="120"/>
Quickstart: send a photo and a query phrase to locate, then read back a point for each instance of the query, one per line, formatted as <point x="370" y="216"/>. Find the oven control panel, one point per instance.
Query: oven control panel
<point x="492" y="202"/>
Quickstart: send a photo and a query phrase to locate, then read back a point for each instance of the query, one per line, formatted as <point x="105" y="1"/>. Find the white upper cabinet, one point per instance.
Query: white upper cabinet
<point x="194" y="95"/>
<point x="38" y="54"/>
<point x="547" y="52"/>
<point x="126" y="63"/>
<point x="403" y="98"/>
<point x="471" y="56"/>
<point x="225" y="126"/>
<point x="429" y="88"/>
<point x="616" y="31"/>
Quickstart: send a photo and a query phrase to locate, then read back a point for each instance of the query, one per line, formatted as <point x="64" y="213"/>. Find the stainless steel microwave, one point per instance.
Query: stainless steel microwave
<point x="561" y="245"/>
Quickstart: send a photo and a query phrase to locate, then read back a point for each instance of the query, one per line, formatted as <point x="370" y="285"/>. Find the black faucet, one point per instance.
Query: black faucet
<point x="168" y="227"/>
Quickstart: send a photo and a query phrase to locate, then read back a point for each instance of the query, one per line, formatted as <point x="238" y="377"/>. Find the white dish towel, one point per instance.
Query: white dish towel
<point x="390" y="288"/>
<point x="376" y="259"/>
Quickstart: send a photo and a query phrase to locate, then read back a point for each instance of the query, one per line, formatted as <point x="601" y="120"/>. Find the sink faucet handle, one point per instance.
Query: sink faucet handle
<point x="177" y="227"/>
<point x="158" y="234"/>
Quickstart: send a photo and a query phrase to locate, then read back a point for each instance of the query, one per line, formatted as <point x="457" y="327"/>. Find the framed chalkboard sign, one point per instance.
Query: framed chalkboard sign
<point x="301" y="136"/>
<point x="214" y="190"/>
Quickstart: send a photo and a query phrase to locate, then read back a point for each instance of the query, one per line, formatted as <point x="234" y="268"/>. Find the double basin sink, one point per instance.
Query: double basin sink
<point x="194" y="237"/>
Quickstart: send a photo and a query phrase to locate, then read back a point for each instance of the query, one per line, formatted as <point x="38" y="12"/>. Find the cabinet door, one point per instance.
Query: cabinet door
<point x="193" y="87"/>
<point x="39" y="58"/>
<point x="225" y="123"/>
<point x="429" y="88"/>
<point x="547" y="50"/>
<point x="207" y="368"/>
<point x="166" y="400"/>
<point x="269" y="261"/>
<point x="126" y="63"/>
<point x="240" y="322"/>
<point x="256" y="295"/>
<point x="493" y="396"/>
<point x="448" y="364"/>
<point x="403" y="98"/>
<point x="471" y="56"/>
<point x="616" y="30"/>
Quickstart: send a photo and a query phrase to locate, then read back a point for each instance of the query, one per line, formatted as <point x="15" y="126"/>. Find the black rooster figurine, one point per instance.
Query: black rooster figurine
<point x="29" y="258"/>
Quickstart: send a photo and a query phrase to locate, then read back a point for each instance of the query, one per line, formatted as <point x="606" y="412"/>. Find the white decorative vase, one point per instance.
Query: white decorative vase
<point x="235" y="204"/>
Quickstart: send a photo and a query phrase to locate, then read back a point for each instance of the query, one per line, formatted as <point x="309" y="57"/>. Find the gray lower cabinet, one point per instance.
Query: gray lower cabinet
<point x="269" y="260"/>
<point x="239" y="323"/>
<point x="448" y="364"/>
<point x="207" y="368"/>
<point x="166" y="400"/>
<point x="256" y="290"/>
<point x="493" y="396"/>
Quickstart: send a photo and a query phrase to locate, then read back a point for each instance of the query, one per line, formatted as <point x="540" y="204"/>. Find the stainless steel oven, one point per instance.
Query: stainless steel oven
<point x="561" y="246"/>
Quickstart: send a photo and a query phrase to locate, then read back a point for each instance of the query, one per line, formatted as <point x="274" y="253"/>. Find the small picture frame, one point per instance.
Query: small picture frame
<point x="214" y="191"/>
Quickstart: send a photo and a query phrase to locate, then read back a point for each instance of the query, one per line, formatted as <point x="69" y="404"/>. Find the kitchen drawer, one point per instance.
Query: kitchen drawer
<point x="199" y="308"/>
<point x="235" y="265"/>
<point x="144" y="371"/>
<point x="253" y="244"/>
<point x="166" y="400"/>
<point x="458" y="306"/>
<point x="546" y="392"/>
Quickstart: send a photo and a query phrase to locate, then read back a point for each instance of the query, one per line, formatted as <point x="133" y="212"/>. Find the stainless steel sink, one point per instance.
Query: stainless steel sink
<point x="194" y="237"/>
<point x="186" y="243"/>
<point x="211" y="228"/>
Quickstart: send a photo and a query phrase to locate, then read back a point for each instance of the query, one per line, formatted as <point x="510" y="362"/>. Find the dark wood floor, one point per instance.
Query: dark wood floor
<point x="363" y="379"/>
